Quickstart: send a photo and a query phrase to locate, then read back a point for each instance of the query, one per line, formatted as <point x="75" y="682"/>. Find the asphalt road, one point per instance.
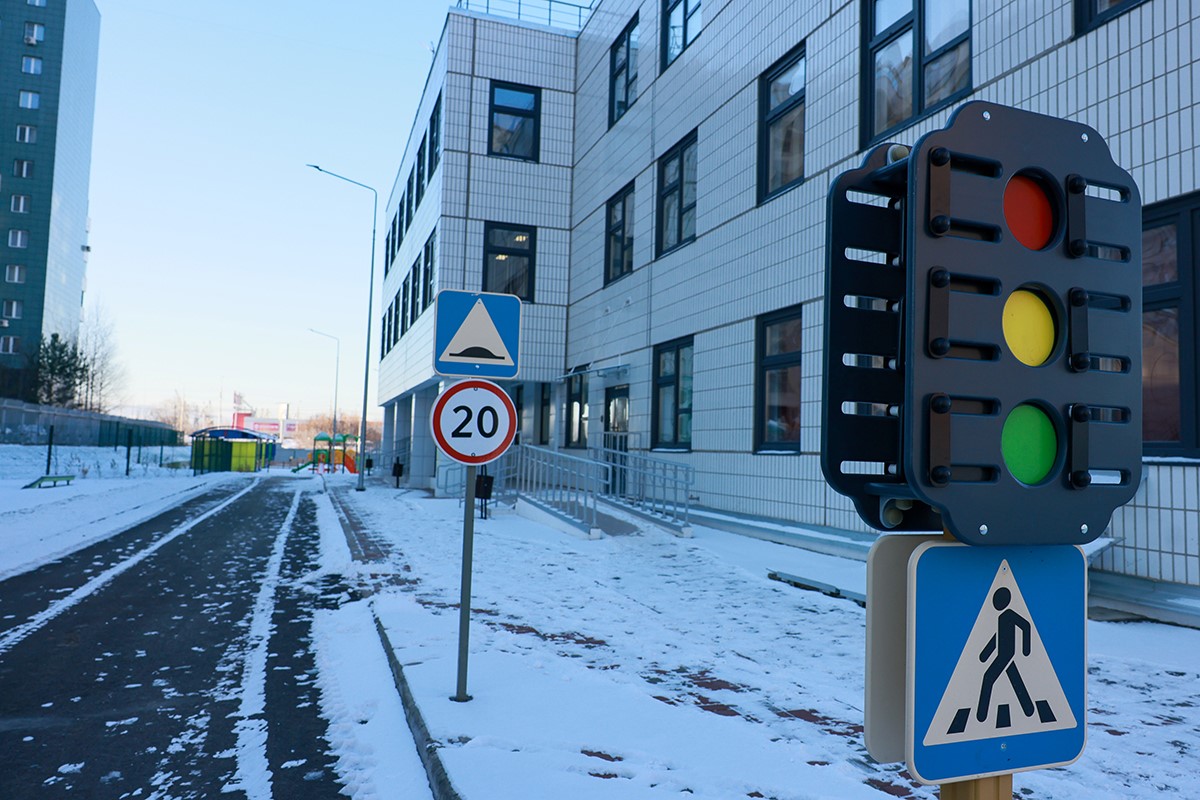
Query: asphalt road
<point x="129" y="668"/>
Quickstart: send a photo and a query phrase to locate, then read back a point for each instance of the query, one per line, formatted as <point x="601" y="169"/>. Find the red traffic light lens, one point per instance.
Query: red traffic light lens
<point x="1029" y="211"/>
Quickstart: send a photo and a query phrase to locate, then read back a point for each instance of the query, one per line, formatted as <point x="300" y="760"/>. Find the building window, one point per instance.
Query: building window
<point x="618" y="239"/>
<point x="35" y="32"/>
<point x="27" y="134"/>
<point x="18" y="239"/>
<point x="10" y="345"/>
<point x="40" y="3"/>
<point x="20" y="204"/>
<point x="509" y="253"/>
<point x="622" y="72"/>
<point x="385" y="326"/>
<point x="12" y="309"/>
<point x="671" y="424"/>
<point x="27" y="99"/>
<point x="519" y="401"/>
<point x="544" y="402"/>
<point x="777" y="418"/>
<point x="404" y="308"/>
<point x="435" y="135"/>
<point x="31" y="65"/>
<point x="414" y="282"/>
<point x="577" y="410"/>
<point x="14" y="273"/>
<point x="683" y="23"/>
<point x="515" y="113"/>
<point x="409" y="205"/>
<point x="918" y="59"/>
<point x="1091" y="14"/>
<point x="430" y="269"/>
<point x="1170" y="355"/>
<point x="23" y="168"/>
<point x="421" y="171"/>
<point x="677" y="195"/>
<point x="781" y="125"/>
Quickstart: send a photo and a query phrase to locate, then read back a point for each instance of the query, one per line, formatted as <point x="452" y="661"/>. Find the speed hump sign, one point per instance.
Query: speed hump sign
<point x="474" y="422"/>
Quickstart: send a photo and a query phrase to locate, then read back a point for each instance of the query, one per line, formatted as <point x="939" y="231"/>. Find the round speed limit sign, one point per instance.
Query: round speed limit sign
<point x="474" y="421"/>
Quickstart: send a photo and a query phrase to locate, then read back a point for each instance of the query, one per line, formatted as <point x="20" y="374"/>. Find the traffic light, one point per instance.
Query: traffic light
<point x="983" y="332"/>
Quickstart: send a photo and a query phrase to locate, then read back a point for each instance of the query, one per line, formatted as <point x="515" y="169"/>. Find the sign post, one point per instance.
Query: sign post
<point x="473" y="422"/>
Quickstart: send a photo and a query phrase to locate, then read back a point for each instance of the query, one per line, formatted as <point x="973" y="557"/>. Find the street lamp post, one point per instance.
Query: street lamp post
<point x="337" y="362"/>
<point x="362" y="425"/>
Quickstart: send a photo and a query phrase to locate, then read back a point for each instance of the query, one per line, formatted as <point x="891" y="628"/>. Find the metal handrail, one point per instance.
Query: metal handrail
<point x="658" y="486"/>
<point x="452" y="478"/>
<point x="563" y="483"/>
<point x="555" y="13"/>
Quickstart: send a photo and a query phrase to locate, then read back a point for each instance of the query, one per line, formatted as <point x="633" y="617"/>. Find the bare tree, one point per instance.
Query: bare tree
<point x="98" y="348"/>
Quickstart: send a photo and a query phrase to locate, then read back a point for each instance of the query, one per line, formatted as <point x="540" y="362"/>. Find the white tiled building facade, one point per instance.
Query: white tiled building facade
<point x="654" y="185"/>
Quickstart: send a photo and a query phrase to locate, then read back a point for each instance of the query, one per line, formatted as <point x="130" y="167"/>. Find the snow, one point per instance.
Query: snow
<point x="639" y="666"/>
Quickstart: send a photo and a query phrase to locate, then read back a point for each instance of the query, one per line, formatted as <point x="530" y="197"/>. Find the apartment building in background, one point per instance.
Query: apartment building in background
<point x="650" y="176"/>
<point x="48" y="57"/>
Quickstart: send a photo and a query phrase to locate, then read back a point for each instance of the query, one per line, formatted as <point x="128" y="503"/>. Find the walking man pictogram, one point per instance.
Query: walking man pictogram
<point x="1004" y="645"/>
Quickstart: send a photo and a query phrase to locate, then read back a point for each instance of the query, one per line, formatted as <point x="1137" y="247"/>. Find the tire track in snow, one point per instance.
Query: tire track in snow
<point x="253" y="775"/>
<point x="15" y="636"/>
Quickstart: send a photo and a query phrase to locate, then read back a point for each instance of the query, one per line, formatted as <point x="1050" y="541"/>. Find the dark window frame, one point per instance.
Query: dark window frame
<point x="768" y="117"/>
<point x="659" y="381"/>
<point x="575" y="427"/>
<point x="396" y="309"/>
<point x="913" y="22"/>
<point x="414" y="308"/>
<point x="531" y="253"/>
<point x="678" y="152"/>
<point x="1184" y="295"/>
<point x="518" y="397"/>
<point x="429" y="267"/>
<point x="1087" y="18"/>
<point x="690" y="9"/>
<point x="764" y="364"/>
<point x="404" y="306"/>
<point x="545" y="403"/>
<point x="617" y="232"/>
<point x="435" y="136"/>
<point x="535" y="115"/>
<point x="628" y="83"/>
<point x="421" y="157"/>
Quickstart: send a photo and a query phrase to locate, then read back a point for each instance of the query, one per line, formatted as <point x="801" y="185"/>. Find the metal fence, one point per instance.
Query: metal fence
<point x="658" y="487"/>
<point x="562" y="484"/>
<point x="555" y="13"/>
<point x="25" y="423"/>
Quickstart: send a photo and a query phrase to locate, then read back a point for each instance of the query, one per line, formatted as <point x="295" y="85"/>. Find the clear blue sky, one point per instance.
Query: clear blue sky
<point x="214" y="249"/>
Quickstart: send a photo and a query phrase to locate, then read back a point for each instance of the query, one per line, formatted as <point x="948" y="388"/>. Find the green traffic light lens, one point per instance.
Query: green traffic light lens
<point x="1029" y="444"/>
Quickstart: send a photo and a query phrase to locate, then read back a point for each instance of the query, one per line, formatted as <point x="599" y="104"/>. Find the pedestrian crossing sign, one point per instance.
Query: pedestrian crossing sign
<point x="997" y="659"/>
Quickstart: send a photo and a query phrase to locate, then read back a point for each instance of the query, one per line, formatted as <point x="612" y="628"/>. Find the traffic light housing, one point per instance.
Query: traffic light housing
<point x="983" y="332"/>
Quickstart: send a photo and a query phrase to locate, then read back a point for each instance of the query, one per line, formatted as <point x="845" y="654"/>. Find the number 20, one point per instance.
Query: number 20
<point x="485" y="430"/>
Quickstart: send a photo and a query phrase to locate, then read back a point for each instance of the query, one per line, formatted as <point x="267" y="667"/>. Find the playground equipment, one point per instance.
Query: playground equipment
<point x="332" y="454"/>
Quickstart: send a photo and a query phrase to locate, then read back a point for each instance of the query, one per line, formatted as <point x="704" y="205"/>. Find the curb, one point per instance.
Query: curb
<point x="435" y="771"/>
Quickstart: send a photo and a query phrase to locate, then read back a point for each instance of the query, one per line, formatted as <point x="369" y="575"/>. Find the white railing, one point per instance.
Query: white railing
<point x="656" y="486"/>
<point x="564" y="485"/>
<point x="555" y="13"/>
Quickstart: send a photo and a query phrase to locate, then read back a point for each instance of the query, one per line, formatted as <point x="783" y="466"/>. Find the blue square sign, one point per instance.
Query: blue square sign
<point x="996" y="661"/>
<point x="476" y="334"/>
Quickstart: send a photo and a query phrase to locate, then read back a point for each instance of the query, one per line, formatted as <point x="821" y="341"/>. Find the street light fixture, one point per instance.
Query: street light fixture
<point x="362" y="426"/>
<point x="337" y="361"/>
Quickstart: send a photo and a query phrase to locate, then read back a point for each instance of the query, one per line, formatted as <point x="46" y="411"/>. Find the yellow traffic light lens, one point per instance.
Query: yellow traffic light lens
<point x="1029" y="211"/>
<point x="1029" y="444"/>
<point x="1029" y="329"/>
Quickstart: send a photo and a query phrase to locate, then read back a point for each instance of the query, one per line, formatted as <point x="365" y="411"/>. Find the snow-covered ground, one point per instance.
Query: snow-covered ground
<point x="640" y="666"/>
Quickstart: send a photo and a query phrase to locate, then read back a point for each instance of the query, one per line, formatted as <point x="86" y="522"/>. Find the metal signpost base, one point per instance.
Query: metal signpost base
<point x="464" y="608"/>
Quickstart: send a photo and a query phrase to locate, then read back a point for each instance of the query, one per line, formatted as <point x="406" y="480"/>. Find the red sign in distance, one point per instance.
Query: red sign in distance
<point x="474" y="422"/>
